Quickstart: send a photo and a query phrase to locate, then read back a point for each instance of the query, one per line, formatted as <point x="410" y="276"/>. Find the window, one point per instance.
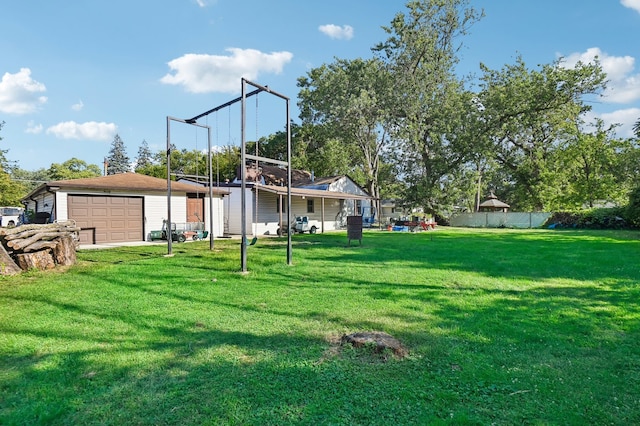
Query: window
<point x="358" y="207"/>
<point x="310" y="206"/>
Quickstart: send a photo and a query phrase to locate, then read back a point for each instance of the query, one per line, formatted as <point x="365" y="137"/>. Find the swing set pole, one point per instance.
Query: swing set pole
<point x="210" y="163"/>
<point x="243" y="168"/>
<point x="289" y="250"/>
<point x="243" y="184"/>
<point x="169" y="227"/>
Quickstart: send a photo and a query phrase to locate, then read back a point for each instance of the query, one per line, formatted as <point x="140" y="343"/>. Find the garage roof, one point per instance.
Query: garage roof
<point x="123" y="182"/>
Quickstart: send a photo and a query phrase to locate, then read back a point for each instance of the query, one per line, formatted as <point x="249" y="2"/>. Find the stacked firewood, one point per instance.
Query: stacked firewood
<point x="38" y="246"/>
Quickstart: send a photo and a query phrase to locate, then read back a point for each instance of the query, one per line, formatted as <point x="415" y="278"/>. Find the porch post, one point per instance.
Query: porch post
<point x="322" y="214"/>
<point x="280" y="214"/>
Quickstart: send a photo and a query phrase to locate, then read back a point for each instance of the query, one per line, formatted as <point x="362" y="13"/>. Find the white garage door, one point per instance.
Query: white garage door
<point x="107" y="219"/>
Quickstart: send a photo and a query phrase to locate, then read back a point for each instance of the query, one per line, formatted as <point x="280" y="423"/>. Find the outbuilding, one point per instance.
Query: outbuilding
<point x="123" y="207"/>
<point x="492" y="204"/>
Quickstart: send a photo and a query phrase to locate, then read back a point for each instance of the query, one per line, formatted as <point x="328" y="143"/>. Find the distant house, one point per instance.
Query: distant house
<point x="391" y="210"/>
<point x="325" y="201"/>
<point x="122" y="207"/>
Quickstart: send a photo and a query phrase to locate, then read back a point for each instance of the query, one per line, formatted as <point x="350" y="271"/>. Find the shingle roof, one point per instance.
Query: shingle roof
<point x="492" y="202"/>
<point x="274" y="175"/>
<point x="122" y="182"/>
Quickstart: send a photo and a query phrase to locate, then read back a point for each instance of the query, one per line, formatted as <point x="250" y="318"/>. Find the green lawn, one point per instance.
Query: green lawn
<point x="502" y="327"/>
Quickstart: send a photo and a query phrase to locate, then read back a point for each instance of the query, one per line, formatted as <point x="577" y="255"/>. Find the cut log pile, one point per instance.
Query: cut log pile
<point x="38" y="246"/>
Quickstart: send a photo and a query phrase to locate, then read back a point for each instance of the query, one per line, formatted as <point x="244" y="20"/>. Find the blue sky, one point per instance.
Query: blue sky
<point x="76" y="72"/>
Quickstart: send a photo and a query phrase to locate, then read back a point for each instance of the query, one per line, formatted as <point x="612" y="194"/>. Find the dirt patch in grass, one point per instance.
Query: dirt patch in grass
<point x="377" y="342"/>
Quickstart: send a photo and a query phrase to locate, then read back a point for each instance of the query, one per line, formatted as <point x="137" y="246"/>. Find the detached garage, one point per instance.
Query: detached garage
<point x="107" y="219"/>
<point x="124" y="207"/>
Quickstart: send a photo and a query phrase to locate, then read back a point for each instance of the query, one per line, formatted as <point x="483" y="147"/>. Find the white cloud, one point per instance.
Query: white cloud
<point x="631" y="4"/>
<point x="625" y="117"/>
<point x="33" y="128"/>
<point x="20" y="94"/>
<point x="344" y="32"/>
<point x="78" y="106"/>
<point x="90" y="130"/>
<point x="200" y="73"/>
<point x="623" y="86"/>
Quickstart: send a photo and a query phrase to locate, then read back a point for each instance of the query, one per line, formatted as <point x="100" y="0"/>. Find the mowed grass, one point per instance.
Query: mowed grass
<point x="502" y="327"/>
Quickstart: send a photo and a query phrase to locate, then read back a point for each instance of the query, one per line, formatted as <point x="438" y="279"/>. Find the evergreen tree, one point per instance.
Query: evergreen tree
<point x="117" y="160"/>
<point x="144" y="158"/>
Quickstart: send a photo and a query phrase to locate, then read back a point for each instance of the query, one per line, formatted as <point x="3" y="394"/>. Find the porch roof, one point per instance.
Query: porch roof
<point x="316" y="193"/>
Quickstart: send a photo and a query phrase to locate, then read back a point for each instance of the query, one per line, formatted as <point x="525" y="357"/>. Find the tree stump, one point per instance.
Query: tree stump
<point x="377" y="340"/>
<point x="7" y="265"/>
<point x="64" y="252"/>
<point x="42" y="260"/>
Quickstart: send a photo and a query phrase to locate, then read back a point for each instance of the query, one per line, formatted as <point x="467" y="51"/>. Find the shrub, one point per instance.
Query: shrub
<point x="632" y="213"/>
<point x="598" y="218"/>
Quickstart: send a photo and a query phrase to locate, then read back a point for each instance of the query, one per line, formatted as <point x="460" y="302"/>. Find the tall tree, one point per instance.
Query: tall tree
<point x="117" y="160"/>
<point x="595" y="166"/>
<point x="529" y="115"/>
<point x="316" y="150"/>
<point x="348" y="99"/>
<point x="144" y="158"/>
<point x="428" y="101"/>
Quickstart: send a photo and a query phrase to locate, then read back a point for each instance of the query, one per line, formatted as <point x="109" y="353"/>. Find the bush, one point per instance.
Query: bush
<point x="632" y="212"/>
<point x="599" y="218"/>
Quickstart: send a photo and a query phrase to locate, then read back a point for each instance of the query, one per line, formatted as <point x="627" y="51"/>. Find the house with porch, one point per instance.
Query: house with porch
<point x="327" y="202"/>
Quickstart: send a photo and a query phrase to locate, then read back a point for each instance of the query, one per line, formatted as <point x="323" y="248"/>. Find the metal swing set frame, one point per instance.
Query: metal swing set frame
<point x="243" y="159"/>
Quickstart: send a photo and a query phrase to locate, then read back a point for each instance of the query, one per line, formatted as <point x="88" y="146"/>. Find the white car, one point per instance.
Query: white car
<point x="10" y="216"/>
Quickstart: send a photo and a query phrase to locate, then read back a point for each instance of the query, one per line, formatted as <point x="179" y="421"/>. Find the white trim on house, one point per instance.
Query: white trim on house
<point x="340" y="196"/>
<point x="52" y="198"/>
<point x="330" y="208"/>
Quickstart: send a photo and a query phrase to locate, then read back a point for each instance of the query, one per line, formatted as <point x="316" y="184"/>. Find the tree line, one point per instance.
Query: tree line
<point x="417" y="132"/>
<point x="406" y="127"/>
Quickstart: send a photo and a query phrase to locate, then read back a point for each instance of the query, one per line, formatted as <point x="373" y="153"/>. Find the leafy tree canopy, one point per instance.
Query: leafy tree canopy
<point x="73" y="169"/>
<point x="529" y="116"/>
<point x="11" y="191"/>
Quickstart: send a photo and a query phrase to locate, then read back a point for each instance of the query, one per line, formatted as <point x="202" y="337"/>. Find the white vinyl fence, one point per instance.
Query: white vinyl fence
<point x="499" y="220"/>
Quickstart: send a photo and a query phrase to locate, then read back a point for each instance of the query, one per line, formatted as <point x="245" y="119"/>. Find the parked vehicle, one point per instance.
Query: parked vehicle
<point x="180" y="232"/>
<point x="11" y="216"/>
<point x="176" y="234"/>
<point x="302" y="225"/>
